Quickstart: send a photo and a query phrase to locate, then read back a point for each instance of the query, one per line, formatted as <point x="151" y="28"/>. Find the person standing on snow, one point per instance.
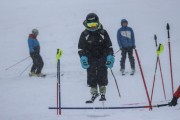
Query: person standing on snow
<point x="175" y="98"/>
<point x="34" y="49"/>
<point x="126" y="41"/>
<point x="96" y="55"/>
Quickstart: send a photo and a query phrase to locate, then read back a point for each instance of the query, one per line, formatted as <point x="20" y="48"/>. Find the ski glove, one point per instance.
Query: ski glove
<point x="109" y="61"/>
<point x="173" y="102"/>
<point x="84" y="62"/>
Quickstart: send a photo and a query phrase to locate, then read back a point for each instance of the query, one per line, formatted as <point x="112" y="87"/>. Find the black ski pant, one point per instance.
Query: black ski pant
<point x="124" y="52"/>
<point x="37" y="63"/>
<point x="97" y="72"/>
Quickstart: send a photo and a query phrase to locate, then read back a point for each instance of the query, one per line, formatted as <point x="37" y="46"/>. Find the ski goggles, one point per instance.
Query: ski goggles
<point x="93" y="24"/>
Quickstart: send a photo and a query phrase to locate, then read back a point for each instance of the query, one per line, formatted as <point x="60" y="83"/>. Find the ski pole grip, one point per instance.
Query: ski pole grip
<point x="57" y="51"/>
<point x="168" y="28"/>
<point x="59" y="54"/>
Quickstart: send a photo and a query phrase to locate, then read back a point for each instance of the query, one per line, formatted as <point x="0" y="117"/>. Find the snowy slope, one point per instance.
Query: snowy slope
<point x="60" y="25"/>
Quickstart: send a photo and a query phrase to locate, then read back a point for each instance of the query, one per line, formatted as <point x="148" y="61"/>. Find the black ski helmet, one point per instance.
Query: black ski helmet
<point x="92" y="17"/>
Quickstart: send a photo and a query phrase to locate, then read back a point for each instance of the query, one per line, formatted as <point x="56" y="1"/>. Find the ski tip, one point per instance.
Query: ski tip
<point x="89" y="101"/>
<point x="44" y="76"/>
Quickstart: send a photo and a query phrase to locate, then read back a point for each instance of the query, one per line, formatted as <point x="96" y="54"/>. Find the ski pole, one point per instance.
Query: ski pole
<point x="143" y="79"/>
<point x="17" y="63"/>
<point x="160" y="105"/>
<point x="155" y="38"/>
<point x="58" y="55"/>
<point x="115" y="82"/>
<point x="170" y="60"/>
<point x="117" y="108"/>
<point x="25" y="69"/>
<point x="117" y="51"/>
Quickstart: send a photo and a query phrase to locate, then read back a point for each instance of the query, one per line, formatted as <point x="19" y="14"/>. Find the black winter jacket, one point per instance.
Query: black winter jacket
<point x="96" y="44"/>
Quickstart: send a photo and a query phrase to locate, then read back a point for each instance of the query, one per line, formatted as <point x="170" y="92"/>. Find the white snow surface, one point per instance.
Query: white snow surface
<point x="60" y="25"/>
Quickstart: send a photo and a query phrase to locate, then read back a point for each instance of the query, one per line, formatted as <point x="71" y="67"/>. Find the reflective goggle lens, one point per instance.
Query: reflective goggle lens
<point x="94" y="24"/>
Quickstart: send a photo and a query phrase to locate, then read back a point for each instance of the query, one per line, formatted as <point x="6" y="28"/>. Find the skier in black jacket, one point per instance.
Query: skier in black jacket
<point x="96" y="55"/>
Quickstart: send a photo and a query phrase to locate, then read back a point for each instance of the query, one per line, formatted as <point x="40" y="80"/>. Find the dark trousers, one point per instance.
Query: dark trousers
<point x="124" y="52"/>
<point x="37" y="63"/>
<point x="97" y="72"/>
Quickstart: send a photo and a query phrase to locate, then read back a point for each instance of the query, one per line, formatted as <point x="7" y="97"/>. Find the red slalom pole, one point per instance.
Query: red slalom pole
<point x="169" y="45"/>
<point x="59" y="87"/>
<point x="57" y="98"/>
<point x="57" y="95"/>
<point x="162" y="80"/>
<point x="154" y="79"/>
<point x="143" y="79"/>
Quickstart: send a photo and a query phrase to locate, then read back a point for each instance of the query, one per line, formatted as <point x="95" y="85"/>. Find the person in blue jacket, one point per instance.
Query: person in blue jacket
<point x="126" y="41"/>
<point x="34" y="49"/>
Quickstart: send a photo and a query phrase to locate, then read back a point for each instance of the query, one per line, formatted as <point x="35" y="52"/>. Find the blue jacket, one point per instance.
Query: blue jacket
<point x="125" y="37"/>
<point x="33" y="44"/>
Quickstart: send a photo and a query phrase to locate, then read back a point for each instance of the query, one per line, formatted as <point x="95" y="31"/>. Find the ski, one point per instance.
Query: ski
<point x="89" y="101"/>
<point x="102" y="99"/>
<point x="132" y="73"/>
<point x="44" y="75"/>
<point x="35" y="75"/>
<point x="92" y="99"/>
<point x="125" y="73"/>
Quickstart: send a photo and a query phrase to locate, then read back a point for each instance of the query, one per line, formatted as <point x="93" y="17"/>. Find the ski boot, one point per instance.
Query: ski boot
<point x="94" y="93"/>
<point x="122" y="71"/>
<point x="102" y="98"/>
<point x="132" y="71"/>
<point x="102" y="90"/>
<point x="32" y="74"/>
